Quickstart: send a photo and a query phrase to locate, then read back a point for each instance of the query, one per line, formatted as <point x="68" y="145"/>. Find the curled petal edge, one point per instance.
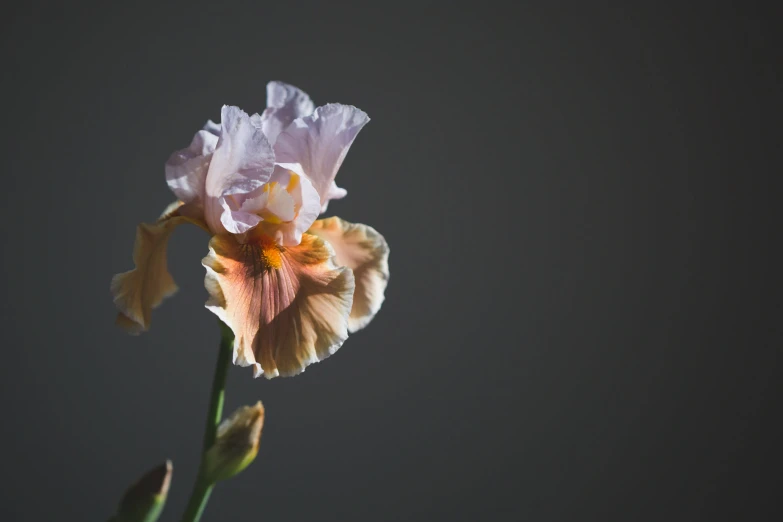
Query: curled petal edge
<point x="287" y="306"/>
<point x="137" y="292"/>
<point x="362" y="249"/>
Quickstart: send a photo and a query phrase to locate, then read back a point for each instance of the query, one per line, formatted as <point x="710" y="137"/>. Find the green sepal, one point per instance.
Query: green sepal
<point x="145" y="499"/>
<point x="236" y="444"/>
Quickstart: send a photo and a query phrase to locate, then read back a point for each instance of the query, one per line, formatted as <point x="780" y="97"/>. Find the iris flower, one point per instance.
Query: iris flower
<point x="290" y="287"/>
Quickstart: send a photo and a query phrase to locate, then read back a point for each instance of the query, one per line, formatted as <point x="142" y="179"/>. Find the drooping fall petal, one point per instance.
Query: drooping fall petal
<point x="287" y="306"/>
<point x="138" y="291"/>
<point x="363" y="250"/>
<point x="319" y="143"/>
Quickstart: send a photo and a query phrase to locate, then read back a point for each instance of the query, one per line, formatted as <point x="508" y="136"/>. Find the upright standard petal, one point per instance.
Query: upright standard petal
<point x="284" y="104"/>
<point x="138" y="291"/>
<point x="243" y="161"/>
<point x="363" y="250"/>
<point x="319" y="143"/>
<point x="186" y="169"/>
<point x="287" y="306"/>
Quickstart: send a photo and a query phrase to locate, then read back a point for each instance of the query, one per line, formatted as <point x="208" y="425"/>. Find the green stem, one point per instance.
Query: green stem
<point x="203" y="488"/>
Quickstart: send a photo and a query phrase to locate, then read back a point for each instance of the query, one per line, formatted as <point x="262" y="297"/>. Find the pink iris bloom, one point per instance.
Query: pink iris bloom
<point x="290" y="286"/>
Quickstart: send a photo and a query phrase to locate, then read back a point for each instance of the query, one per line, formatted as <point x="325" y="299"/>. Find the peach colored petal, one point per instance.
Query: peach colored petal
<point x="138" y="291"/>
<point x="287" y="306"/>
<point x="363" y="250"/>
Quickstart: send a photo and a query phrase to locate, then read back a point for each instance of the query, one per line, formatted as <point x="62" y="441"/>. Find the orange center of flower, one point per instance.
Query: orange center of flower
<point x="268" y="252"/>
<point x="261" y="254"/>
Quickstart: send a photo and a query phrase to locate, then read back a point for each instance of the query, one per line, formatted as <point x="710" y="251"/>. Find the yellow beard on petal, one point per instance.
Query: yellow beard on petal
<point x="261" y="254"/>
<point x="287" y="306"/>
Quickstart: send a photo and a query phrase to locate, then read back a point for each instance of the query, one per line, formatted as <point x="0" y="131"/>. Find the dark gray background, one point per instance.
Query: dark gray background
<point x="578" y="203"/>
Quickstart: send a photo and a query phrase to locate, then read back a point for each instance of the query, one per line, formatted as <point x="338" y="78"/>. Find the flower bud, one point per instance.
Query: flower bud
<point x="144" y="500"/>
<point x="236" y="444"/>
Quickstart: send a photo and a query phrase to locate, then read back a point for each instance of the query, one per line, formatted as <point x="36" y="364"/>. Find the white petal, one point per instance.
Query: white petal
<point x="281" y="95"/>
<point x="319" y="143"/>
<point x="306" y="202"/>
<point x="186" y="169"/>
<point x="271" y="201"/>
<point x="237" y="221"/>
<point x="287" y="205"/>
<point x="333" y="192"/>
<point x="280" y="203"/>
<point x="243" y="161"/>
<point x="212" y="127"/>
<point x="284" y="104"/>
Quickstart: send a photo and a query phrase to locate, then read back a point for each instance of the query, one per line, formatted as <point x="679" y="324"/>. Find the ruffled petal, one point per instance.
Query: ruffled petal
<point x="186" y="169"/>
<point x="284" y="103"/>
<point x="288" y="307"/>
<point x="365" y="251"/>
<point x="236" y="220"/>
<point x="243" y="161"/>
<point x="138" y="291"/>
<point x="319" y="143"/>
